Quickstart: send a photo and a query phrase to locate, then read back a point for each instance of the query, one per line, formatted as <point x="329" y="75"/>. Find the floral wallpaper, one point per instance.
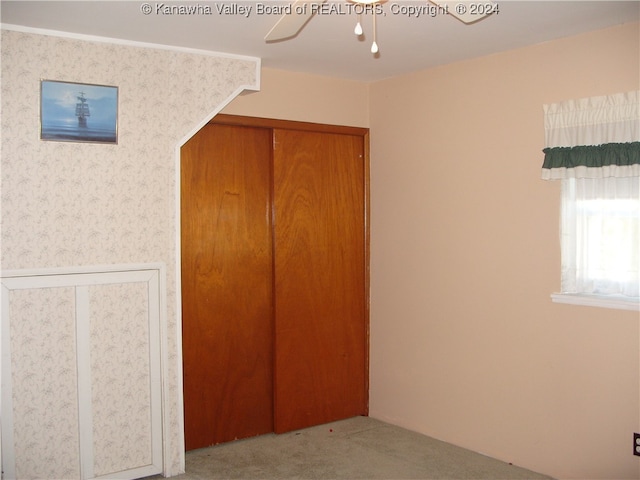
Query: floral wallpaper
<point x="70" y="204"/>
<point x="120" y="390"/>
<point x="46" y="418"/>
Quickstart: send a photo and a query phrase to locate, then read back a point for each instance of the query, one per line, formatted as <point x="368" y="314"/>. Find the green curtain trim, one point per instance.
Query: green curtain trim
<point x="593" y="156"/>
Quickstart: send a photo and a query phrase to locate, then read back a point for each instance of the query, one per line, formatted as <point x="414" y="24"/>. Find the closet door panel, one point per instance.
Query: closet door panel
<point x="320" y="311"/>
<point x="227" y="296"/>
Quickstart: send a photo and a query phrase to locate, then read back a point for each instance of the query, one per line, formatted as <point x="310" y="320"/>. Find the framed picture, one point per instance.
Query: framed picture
<point x="78" y="112"/>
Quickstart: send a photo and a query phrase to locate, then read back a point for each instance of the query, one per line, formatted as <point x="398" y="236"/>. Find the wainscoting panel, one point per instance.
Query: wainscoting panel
<point x="82" y="369"/>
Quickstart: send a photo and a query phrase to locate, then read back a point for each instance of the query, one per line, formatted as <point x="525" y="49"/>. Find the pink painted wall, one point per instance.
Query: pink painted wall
<point x="306" y="98"/>
<point x="466" y="345"/>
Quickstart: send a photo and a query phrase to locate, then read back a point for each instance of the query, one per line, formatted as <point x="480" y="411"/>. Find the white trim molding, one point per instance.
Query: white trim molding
<point x="119" y="41"/>
<point x="615" y="302"/>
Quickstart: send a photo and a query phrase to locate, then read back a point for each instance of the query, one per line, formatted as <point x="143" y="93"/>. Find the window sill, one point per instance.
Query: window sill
<point x="596" y="301"/>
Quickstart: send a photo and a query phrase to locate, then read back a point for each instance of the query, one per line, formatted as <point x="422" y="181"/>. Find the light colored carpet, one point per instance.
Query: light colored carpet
<point x="356" y="448"/>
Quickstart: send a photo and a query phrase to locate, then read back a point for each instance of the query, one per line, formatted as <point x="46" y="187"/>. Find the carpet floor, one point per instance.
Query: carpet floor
<point x="356" y="448"/>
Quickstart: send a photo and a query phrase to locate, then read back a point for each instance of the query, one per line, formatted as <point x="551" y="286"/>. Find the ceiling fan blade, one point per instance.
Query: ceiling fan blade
<point x="291" y="23"/>
<point x="468" y="12"/>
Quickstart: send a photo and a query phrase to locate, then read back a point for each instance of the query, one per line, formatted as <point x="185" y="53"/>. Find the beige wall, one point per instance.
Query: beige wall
<point x="303" y="97"/>
<point x="466" y="344"/>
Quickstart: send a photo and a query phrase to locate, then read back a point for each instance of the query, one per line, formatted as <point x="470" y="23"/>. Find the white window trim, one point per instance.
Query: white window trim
<point x="616" y="302"/>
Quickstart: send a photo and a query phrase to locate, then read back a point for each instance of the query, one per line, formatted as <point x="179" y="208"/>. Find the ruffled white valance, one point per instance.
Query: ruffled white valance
<point x="596" y="137"/>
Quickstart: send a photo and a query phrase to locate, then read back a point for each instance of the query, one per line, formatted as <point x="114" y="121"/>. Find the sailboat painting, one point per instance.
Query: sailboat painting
<point x="78" y="112"/>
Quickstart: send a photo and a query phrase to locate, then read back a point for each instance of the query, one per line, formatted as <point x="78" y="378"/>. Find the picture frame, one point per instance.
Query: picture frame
<point x="78" y="112"/>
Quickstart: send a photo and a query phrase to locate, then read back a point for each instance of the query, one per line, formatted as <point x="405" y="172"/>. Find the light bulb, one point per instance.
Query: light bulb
<point x="374" y="45"/>
<point x="358" y="29"/>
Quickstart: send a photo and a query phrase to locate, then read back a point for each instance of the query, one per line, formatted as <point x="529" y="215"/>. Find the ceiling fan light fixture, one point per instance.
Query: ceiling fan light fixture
<point x="358" y="30"/>
<point x="374" y="45"/>
<point x="291" y="23"/>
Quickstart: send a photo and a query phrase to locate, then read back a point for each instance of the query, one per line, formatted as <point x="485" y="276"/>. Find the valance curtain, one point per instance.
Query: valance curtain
<point x="593" y="146"/>
<point x="595" y="137"/>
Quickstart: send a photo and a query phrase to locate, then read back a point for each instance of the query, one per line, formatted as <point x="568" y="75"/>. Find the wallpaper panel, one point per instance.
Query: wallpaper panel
<point x="45" y="401"/>
<point x="120" y="366"/>
<point x="67" y="204"/>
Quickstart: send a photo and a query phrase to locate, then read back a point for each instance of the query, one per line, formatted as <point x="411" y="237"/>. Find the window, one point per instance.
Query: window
<point x="600" y="236"/>
<point x="593" y="149"/>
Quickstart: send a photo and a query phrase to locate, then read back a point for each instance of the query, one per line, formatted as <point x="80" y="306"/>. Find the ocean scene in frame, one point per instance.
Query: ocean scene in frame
<point x="78" y="112"/>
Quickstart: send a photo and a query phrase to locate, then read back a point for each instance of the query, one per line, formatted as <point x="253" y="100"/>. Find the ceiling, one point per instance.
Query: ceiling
<point x="327" y="44"/>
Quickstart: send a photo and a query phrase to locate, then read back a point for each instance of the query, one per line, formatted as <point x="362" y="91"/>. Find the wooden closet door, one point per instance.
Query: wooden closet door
<point x="320" y="316"/>
<point x="227" y="296"/>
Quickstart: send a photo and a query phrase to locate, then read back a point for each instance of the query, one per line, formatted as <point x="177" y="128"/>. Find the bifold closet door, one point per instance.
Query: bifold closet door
<point x="320" y="316"/>
<point x="227" y="296"/>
